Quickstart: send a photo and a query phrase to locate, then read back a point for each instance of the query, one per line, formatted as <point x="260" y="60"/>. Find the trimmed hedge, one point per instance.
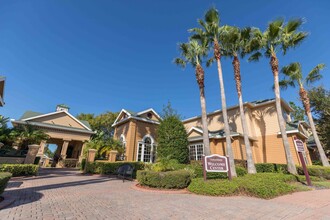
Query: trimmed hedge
<point x="20" y="169"/>
<point x="318" y="171"/>
<point x="4" y="178"/>
<point x="261" y="185"/>
<point x="177" y="179"/>
<point x="99" y="167"/>
<point x="197" y="172"/>
<point x="271" y="168"/>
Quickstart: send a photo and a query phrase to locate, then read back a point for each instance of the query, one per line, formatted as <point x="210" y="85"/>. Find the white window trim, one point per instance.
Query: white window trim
<point x="143" y="148"/>
<point x="196" y="156"/>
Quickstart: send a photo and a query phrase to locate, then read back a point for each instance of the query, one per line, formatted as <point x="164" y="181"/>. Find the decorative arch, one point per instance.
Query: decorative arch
<point x="146" y="149"/>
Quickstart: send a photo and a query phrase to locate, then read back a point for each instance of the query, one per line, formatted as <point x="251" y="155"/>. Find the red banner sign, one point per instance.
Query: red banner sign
<point x="216" y="163"/>
<point x="299" y="145"/>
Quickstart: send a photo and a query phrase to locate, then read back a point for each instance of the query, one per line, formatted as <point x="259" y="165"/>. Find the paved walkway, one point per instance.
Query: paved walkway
<point x="65" y="194"/>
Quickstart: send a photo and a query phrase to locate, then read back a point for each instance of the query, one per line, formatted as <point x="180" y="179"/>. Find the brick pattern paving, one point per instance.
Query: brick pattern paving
<point x="65" y="194"/>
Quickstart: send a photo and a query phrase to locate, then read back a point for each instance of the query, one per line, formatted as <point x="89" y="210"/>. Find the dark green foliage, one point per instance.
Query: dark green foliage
<point x="4" y="178"/>
<point x="317" y="171"/>
<point x="165" y="165"/>
<point x="197" y="172"/>
<point x="320" y="105"/>
<point x="265" y="168"/>
<point x="298" y="113"/>
<point x="111" y="168"/>
<point x="177" y="179"/>
<point x="37" y="160"/>
<point x="20" y="169"/>
<point x="261" y="185"/>
<point x="172" y="139"/>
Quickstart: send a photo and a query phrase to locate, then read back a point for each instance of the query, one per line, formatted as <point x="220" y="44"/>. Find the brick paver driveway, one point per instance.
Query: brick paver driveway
<point x="65" y="194"/>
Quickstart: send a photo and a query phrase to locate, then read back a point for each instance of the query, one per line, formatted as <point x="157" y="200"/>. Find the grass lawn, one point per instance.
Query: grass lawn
<point x="261" y="185"/>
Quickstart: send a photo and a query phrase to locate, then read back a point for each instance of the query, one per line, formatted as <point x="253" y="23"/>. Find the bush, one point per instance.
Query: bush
<point x="4" y="178"/>
<point x="165" y="165"/>
<point x="99" y="167"/>
<point x="318" y="171"/>
<point x="213" y="187"/>
<point x="262" y="185"/>
<point x="20" y="169"/>
<point x="177" y="179"/>
<point x="197" y="172"/>
<point x="265" y="167"/>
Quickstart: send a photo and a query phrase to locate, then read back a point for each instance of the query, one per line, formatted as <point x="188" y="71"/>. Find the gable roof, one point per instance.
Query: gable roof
<point x="136" y="116"/>
<point x="30" y="115"/>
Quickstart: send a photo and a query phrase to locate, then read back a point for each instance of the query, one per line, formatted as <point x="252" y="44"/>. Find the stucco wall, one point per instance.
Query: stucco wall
<point x="59" y="119"/>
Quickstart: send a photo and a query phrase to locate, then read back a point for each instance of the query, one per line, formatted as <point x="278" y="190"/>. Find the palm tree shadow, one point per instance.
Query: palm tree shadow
<point x="259" y="116"/>
<point x="28" y="195"/>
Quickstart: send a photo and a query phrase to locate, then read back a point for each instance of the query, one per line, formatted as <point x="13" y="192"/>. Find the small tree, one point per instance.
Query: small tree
<point x="172" y="137"/>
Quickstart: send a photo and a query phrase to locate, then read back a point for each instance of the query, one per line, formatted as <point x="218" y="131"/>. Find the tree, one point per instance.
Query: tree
<point x="278" y="37"/>
<point x="27" y="134"/>
<point x="102" y="122"/>
<point x="234" y="42"/>
<point x="212" y="31"/>
<point x="298" y="113"/>
<point x="192" y="53"/>
<point x="320" y="106"/>
<point x="294" y="77"/>
<point x="172" y="137"/>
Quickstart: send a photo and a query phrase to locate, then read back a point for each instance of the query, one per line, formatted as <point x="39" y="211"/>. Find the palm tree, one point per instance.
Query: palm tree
<point x="192" y="53"/>
<point x="234" y="43"/>
<point x="212" y="30"/>
<point x="294" y="77"/>
<point x="27" y="134"/>
<point x="278" y="37"/>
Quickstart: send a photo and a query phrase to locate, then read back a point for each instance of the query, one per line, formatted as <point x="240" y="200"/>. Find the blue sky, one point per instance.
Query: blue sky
<point x="98" y="56"/>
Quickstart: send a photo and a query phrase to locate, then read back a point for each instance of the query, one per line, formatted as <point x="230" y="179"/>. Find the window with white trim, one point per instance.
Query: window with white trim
<point x="196" y="151"/>
<point x="146" y="151"/>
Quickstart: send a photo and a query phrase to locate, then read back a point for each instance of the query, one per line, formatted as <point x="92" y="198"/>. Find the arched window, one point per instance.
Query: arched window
<point x="123" y="142"/>
<point x="146" y="151"/>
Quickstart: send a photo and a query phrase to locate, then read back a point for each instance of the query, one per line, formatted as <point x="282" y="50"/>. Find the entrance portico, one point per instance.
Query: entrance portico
<point x="64" y="130"/>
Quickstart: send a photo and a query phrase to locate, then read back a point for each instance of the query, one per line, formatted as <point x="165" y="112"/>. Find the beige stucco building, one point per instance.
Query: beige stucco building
<point x="263" y="129"/>
<point x="137" y="132"/>
<point x="64" y="130"/>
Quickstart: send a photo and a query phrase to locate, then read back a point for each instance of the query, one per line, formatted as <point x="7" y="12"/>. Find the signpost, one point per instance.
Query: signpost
<point x="300" y="149"/>
<point x="216" y="163"/>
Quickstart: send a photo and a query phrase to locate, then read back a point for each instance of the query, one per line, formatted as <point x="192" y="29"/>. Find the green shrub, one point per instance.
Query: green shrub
<point x="99" y="167"/>
<point x="82" y="164"/>
<point x="261" y="185"/>
<point x="213" y="187"/>
<point x="177" y="179"/>
<point x="197" y="171"/>
<point x="265" y="167"/>
<point x="4" y="178"/>
<point x="166" y="165"/>
<point x="20" y="169"/>
<point x="318" y="171"/>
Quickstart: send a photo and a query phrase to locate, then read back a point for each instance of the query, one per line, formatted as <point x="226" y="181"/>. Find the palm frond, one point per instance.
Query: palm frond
<point x="210" y="61"/>
<point x="180" y="62"/>
<point x="274" y="28"/>
<point x="212" y="16"/>
<point x="285" y="83"/>
<point x="293" y="25"/>
<point x="293" y="71"/>
<point x="255" y="57"/>
<point x="314" y="74"/>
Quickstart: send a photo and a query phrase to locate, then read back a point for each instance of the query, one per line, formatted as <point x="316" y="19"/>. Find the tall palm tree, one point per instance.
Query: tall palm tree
<point x="278" y="37"/>
<point x="192" y="53"/>
<point x="212" y="30"/>
<point x="234" y="44"/>
<point x="294" y="77"/>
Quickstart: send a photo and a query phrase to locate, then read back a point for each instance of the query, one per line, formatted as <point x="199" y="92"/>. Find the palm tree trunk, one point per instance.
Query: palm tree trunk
<point x="291" y="166"/>
<point x="224" y="110"/>
<point x="200" y="81"/>
<point x="305" y="100"/>
<point x="237" y="72"/>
